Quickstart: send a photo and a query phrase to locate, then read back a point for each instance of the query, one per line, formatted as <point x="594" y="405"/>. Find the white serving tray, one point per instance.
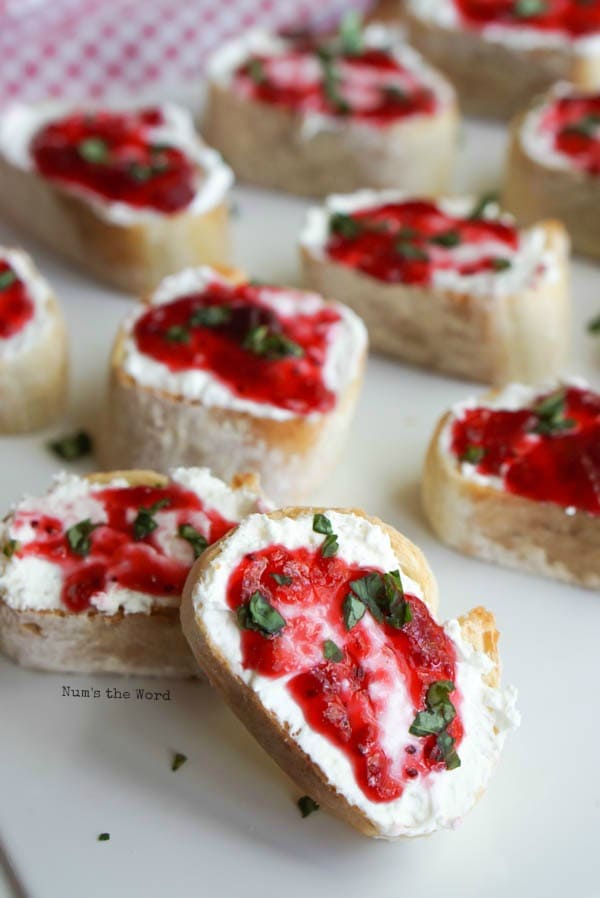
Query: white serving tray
<point x="226" y="823"/>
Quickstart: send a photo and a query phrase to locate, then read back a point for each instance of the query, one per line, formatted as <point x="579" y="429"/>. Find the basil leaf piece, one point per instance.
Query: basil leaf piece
<point x="210" y="316"/>
<point x="79" y="537"/>
<point x="73" y="446"/>
<point x="445" y="745"/>
<point x="7" y="278"/>
<point x="140" y="172"/>
<point x="500" y="264"/>
<point x="197" y="541"/>
<point x="178" y="760"/>
<point x="177" y="333"/>
<point x="447" y="238"/>
<point x="307" y="805"/>
<point x="472" y="455"/>
<point x="550" y="412"/>
<point x="260" y="615"/>
<point x="353" y="610"/>
<point x="282" y="579"/>
<point x="594" y="325"/>
<point x="427" y="723"/>
<point x="394" y="94"/>
<point x="103" y="837"/>
<point x="331" y="85"/>
<point x="350" y="33"/>
<point x="262" y="341"/>
<point x="528" y="9"/>
<point x="144" y="523"/>
<point x="332" y="652"/>
<point x="345" y="226"/>
<point x="407" y="233"/>
<point x="330" y="545"/>
<point x="322" y="524"/>
<point x="482" y="205"/>
<point x="93" y="150"/>
<point x="410" y="251"/>
<point x="10" y="547"/>
<point x="369" y="589"/>
<point x="256" y="70"/>
<point x="436" y="718"/>
<point x="383" y="595"/>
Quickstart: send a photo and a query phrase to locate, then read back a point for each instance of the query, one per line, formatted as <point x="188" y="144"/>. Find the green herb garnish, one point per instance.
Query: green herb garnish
<point x="332" y="652"/>
<point x="331" y="85"/>
<point x="322" y="524"/>
<point x="10" y="547"/>
<point x="447" y="238"/>
<point x="307" y="805"/>
<point x="256" y="70"/>
<point x="193" y="537"/>
<point x="281" y="579"/>
<point x="350" y="33"/>
<point x="527" y="9"/>
<point x="144" y="523"/>
<point x="258" y="614"/>
<point x="482" y="205"/>
<point x="73" y="446"/>
<point x="177" y="333"/>
<point x="551" y="414"/>
<point x="500" y="264"/>
<point x="594" y="325"/>
<point x="79" y="536"/>
<point x="586" y="126"/>
<point x="345" y="226"/>
<point x="7" y="278"/>
<point x="262" y="341"/>
<point x="393" y="93"/>
<point x="210" y="316"/>
<point x="353" y="610"/>
<point x="436" y="718"/>
<point x="383" y="595"/>
<point x="94" y="150"/>
<point x="178" y="760"/>
<point x="103" y="837"/>
<point x="472" y="454"/>
<point x="410" y="251"/>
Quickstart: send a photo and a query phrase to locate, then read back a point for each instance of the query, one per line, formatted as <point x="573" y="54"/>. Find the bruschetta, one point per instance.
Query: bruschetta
<point x="311" y="116"/>
<point x="91" y="574"/>
<point x="129" y="195"/>
<point x="513" y="478"/>
<point x="449" y="284"/>
<point x="554" y="164"/>
<point x="235" y="375"/>
<point x="501" y="53"/>
<point x="318" y="627"/>
<point x="33" y="347"/>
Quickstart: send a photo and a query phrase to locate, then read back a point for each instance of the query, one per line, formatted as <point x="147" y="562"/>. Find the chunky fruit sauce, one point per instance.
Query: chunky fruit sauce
<point x="259" y="354"/>
<point x="372" y="86"/>
<point x="346" y="700"/>
<point x="549" y="452"/>
<point x="16" y="305"/>
<point x="406" y="242"/>
<point x="574" y="17"/>
<point x="115" y="156"/>
<point x="118" y="554"/>
<point x="573" y="122"/>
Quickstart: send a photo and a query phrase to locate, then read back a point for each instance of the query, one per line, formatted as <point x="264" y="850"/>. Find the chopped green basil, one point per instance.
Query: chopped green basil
<point x="551" y="414"/>
<point x="144" y="523"/>
<point x="256" y="70"/>
<point x="331" y="85"/>
<point x="94" y="150"/>
<point x="482" y="204"/>
<point x="472" y="454"/>
<point x="447" y="238"/>
<point x="10" y="547"/>
<point x="197" y="541"/>
<point x="210" y="316"/>
<point x="7" y="278"/>
<point x="394" y="93"/>
<point x="332" y="652"/>
<point x="353" y="610"/>
<point x="178" y="760"/>
<point x="345" y="226"/>
<point x="585" y="126"/>
<point x="594" y="325"/>
<point x="410" y="251"/>
<point x="435" y="719"/>
<point x="79" y="536"/>
<point x="322" y="524"/>
<point x="258" y="614"/>
<point x="527" y="9"/>
<point x="281" y="579"/>
<point x="103" y="837"/>
<point x="177" y="333"/>
<point x="383" y="595"/>
<point x="307" y="805"/>
<point x="273" y="346"/>
<point x="350" y="33"/>
<point x="73" y="446"/>
<point x="500" y="264"/>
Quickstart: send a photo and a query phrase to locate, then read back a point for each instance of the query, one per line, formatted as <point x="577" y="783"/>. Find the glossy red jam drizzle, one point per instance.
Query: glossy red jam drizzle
<point x="372" y="86"/>
<point x="574" y="123"/>
<point x="114" y="155"/>
<point x="406" y="242"/>
<point x="16" y="305"/>
<point x="338" y="699"/>
<point x="561" y="467"/>
<point x="576" y="18"/>
<point x="293" y="382"/>
<point x="116" y="557"/>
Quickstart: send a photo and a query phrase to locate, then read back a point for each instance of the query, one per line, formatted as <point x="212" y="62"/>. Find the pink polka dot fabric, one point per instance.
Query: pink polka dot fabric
<point x="92" y="48"/>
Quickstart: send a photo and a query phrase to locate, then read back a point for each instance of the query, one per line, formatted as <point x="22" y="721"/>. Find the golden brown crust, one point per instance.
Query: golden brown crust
<point x="532" y="190"/>
<point x="133" y="258"/>
<point x="505" y="528"/>
<point x="478" y="628"/>
<point x="523" y="336"/>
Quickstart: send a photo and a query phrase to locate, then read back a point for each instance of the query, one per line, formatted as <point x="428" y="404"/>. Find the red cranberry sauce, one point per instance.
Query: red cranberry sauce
<point x="258" y="353"/>
<point x="114" y="155"/>
<point x="345" y="701"/>
<point x="16" y="305"/>
<point x="373" y="86"/>
<point x="574" y="125"/>
<point x="405" y="242"/>
<point x="118" y="555"/>
<point x="573" y="17"/>
<point x="549" y="452"/>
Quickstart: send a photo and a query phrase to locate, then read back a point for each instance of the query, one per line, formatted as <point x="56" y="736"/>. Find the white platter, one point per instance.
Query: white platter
<point x="226" y="823"/>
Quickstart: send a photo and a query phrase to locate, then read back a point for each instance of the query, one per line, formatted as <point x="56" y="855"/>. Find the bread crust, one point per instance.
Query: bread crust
<point x="33" y="381"/>
<point x="145" y="427"/>
<point x="93" y="642"/>
<point x="494" y="525"/>
<point x="478" y="628"/>
<point x="494" y="80"/>
<point x="522" y="336"/>
<point x="532" y="189"/>
<point x="264" y="144"/>
<point x="133" y="258"/>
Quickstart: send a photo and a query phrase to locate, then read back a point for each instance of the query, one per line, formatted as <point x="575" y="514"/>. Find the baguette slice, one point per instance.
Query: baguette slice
<point x="491" y="327"/>
<point x="318" y="765"/>
<point x="496" y="73"/>
<point x="122" y="629"/>
<point x="33" y="358"/>
<point x="477" y="515"/>
<point x="310" y="153"/>
<point x="128" y="248"/>
<point x="156" y="417"/>
<point x="540" y="182"/>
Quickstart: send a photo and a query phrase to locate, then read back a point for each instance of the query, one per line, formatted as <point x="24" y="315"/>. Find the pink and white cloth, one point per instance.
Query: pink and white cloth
<point x="92" y="48"/>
